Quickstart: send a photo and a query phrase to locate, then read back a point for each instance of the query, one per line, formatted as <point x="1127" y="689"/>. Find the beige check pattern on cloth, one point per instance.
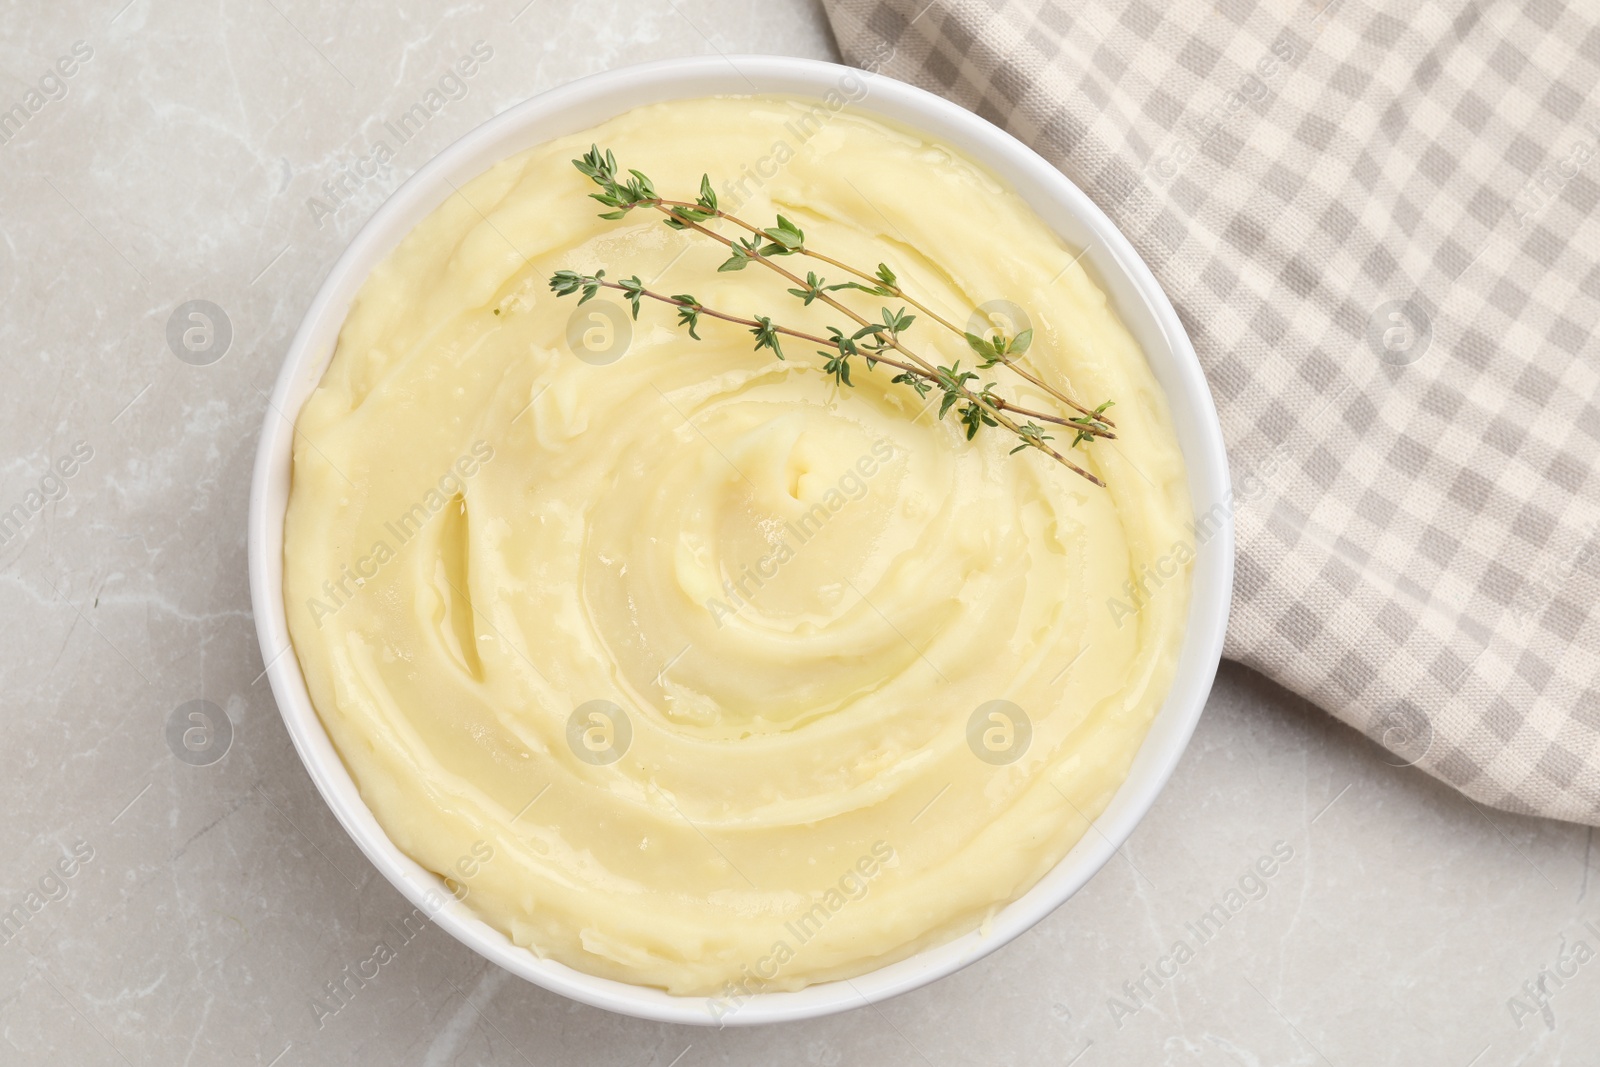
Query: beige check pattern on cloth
<point x="1378" y="225"/>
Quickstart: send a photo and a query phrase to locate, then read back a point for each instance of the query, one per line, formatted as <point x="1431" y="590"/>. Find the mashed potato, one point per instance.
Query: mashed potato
<point x="689" y="668"/>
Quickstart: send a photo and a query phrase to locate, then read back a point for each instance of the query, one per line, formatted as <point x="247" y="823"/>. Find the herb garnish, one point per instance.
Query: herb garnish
<point x="976" y="405"/>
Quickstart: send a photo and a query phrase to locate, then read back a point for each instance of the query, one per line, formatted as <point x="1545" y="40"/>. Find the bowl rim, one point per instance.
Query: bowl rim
<point x="570" y="108"/>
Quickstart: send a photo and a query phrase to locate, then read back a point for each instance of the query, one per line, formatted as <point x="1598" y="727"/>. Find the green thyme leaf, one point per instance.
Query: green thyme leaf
<point x="689" y="316"/>
<point x="766" y="335"/>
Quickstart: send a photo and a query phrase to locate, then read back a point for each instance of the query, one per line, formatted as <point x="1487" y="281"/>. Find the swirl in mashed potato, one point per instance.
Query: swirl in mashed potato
<point x="689" y="668"/>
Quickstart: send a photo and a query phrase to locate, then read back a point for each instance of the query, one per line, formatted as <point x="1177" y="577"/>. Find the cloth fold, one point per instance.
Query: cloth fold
<point x="1378" y="225"/>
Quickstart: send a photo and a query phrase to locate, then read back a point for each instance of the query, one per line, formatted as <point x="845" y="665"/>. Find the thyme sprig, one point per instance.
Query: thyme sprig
<point x="976" y="407"/>
<point x="839" y="346"/>
<point x="786" y="239"/>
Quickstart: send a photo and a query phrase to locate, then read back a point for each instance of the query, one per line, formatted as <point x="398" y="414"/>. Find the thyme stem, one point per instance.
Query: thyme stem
<point x="801" y="335"/>
<point x="666" y="207"/>
<point x="892" y="339"/>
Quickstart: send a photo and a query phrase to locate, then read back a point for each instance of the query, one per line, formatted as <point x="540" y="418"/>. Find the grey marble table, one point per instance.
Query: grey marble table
<point x="190" y="912"/>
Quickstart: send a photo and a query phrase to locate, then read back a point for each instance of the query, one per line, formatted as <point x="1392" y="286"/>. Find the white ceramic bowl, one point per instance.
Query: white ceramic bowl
<point x="1139" y="301"/>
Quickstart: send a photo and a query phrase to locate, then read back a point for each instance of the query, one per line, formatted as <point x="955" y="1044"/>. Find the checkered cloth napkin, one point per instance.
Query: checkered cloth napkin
<point x="1378" y="225"/>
